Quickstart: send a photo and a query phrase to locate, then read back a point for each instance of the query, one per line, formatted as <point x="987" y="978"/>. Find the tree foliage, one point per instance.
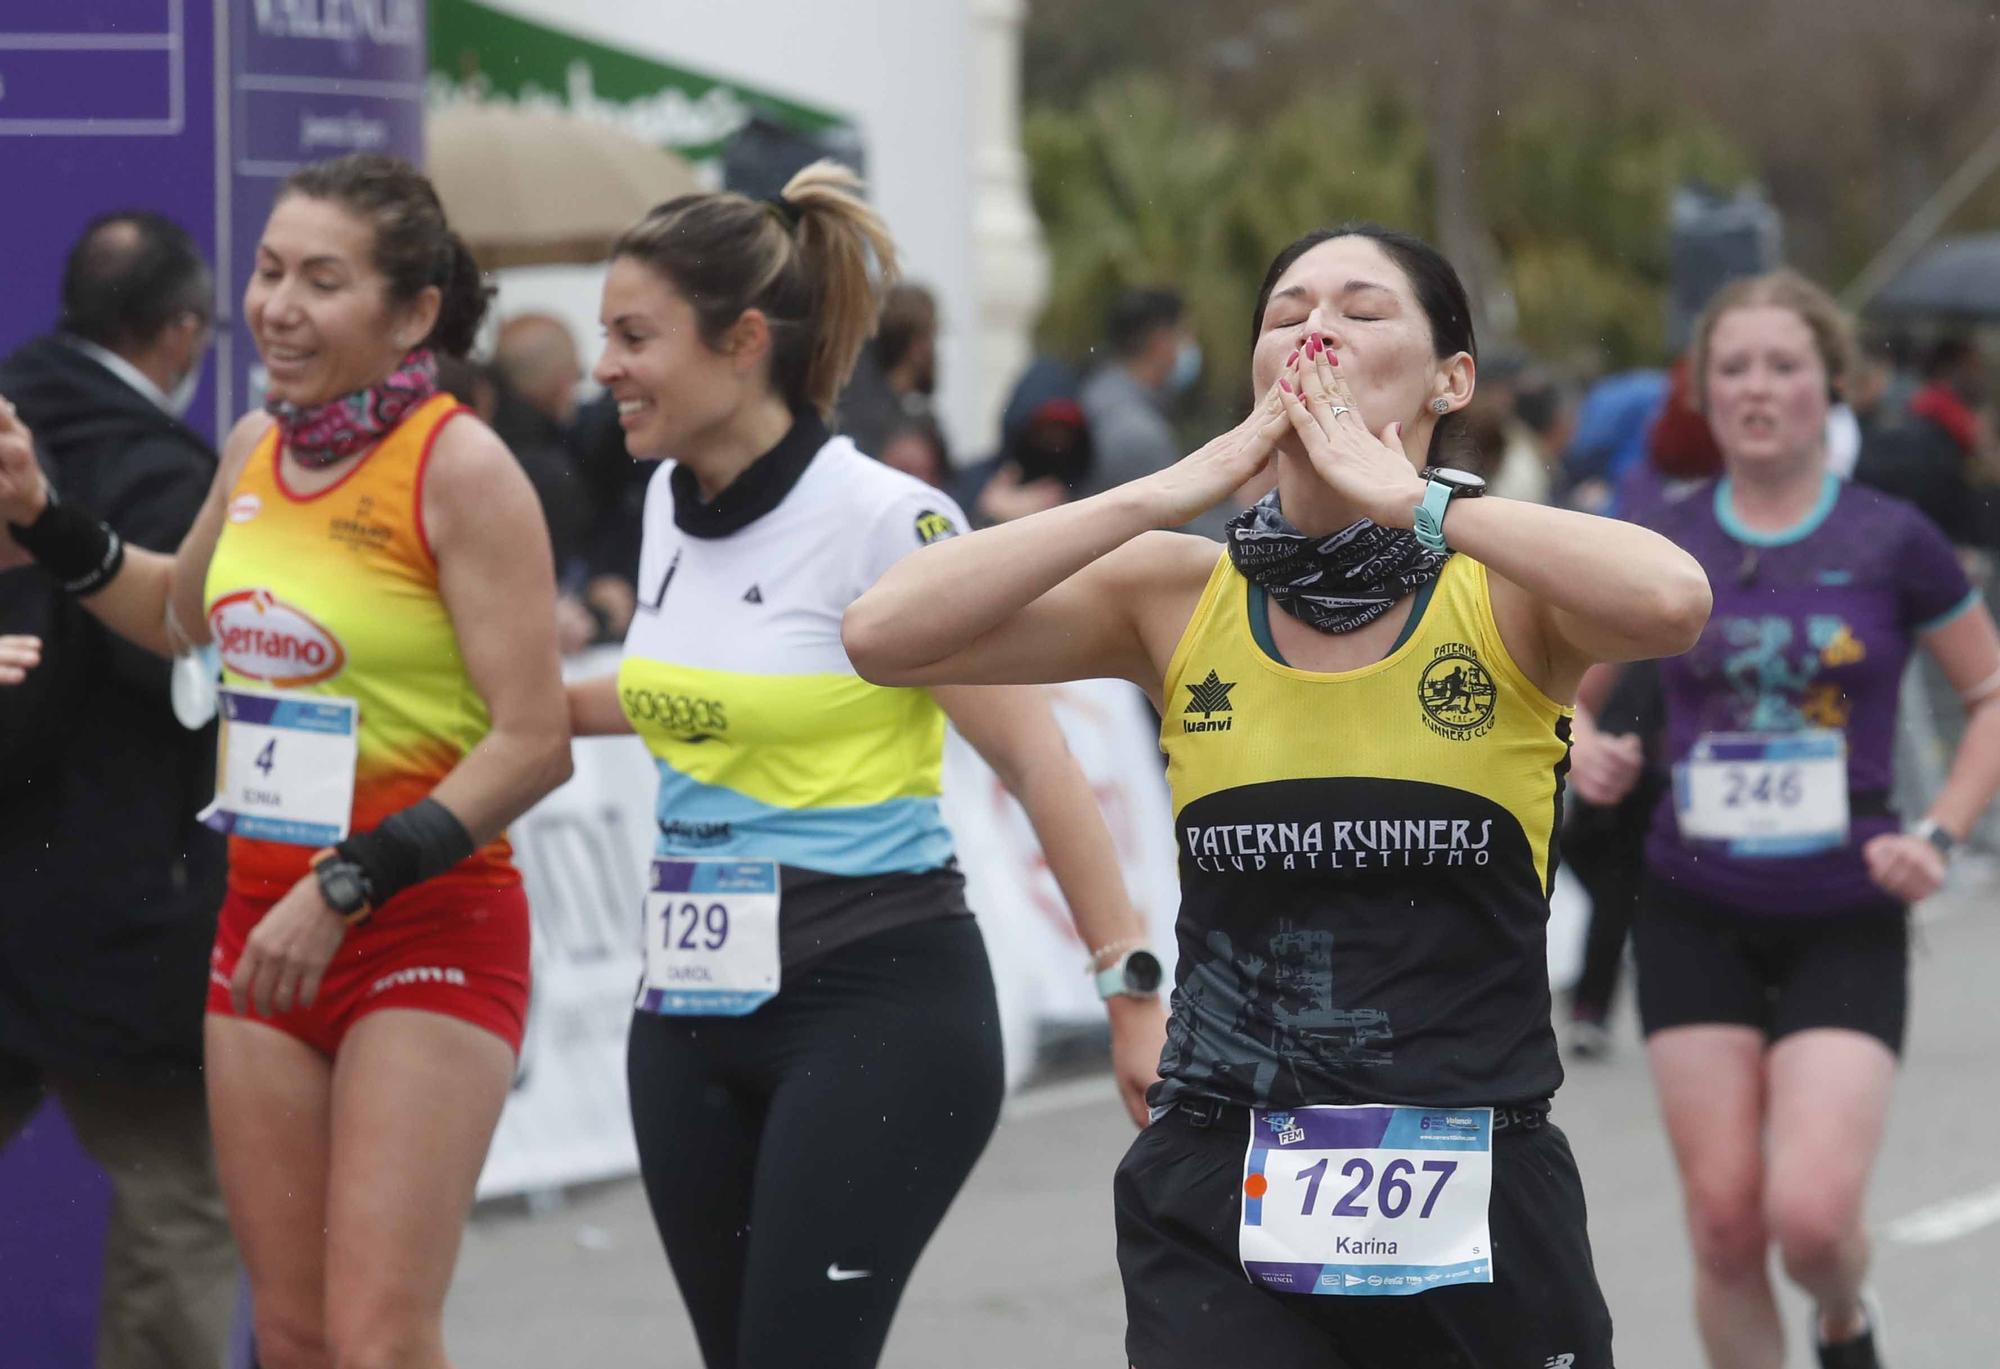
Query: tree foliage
<point x="1138" y="184"/>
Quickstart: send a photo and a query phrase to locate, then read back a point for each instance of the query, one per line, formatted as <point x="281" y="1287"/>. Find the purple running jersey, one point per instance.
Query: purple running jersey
<point x="1812" y="628"/>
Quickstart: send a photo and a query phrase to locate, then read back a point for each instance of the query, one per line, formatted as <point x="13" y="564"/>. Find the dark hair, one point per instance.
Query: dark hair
<point x="802" y="261"/>
<point x="414" y="248"/>
<point x="131" y="274"/>
<point x="908" y="312"/>
<point x="1947" y="355"/>
<point x="1440" y="294"/>
<point x="1135" y="315"/>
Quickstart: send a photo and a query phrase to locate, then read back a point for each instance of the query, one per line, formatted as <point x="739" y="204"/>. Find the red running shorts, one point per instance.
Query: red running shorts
<point x="456" y="949"/>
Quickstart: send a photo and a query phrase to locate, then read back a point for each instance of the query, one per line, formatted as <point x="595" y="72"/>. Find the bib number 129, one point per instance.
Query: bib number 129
<point x="700" y="929"/>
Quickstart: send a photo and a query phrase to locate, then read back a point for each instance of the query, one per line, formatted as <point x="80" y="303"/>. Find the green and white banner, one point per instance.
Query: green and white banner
<point x="482" y="53"/>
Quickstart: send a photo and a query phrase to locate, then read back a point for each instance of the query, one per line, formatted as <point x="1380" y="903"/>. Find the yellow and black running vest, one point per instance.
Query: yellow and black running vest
<point x="1365" y="860"/>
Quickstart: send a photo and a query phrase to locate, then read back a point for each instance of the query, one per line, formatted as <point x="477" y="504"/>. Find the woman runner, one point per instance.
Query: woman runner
<point x="1773" y="931"/>
<point x="374" y="570"/>
<point x="815" y="1055"/>
<point x="1365" y="782"/>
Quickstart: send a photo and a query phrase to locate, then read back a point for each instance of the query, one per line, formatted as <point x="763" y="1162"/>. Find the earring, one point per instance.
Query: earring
<point x="1440" y="406"/>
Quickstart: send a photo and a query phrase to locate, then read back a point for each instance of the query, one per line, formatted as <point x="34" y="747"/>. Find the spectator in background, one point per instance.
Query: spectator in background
<point x="1610" y="438"/>
<point x="896" y="374"/>
<point x="110" y="885"/>
<point x="916" y="447"/>
<point x="1884" y="381"/>
<point x="615" y="491"/>
<point x="1930" y="459"/>
<point x="1046" y="449"/>
<point x="1153" y="358"/>
<point x="538" y="369"/>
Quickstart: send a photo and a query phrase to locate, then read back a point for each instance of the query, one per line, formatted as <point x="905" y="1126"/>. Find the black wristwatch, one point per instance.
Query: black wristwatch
<point x="1931" y="831"/>
<point x="344" y="886"/>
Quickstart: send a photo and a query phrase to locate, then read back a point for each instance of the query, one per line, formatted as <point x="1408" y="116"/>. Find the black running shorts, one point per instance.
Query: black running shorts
<point x="1704" y="962"/>
<point x="1189" y="1305"/>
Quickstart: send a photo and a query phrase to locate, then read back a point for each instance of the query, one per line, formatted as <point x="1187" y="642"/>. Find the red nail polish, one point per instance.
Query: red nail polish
<point x="1333" y="359"/>
<point x="1313" y="346"/>
<point x="1292" y="360"/>
<point x="1285" y="385"/>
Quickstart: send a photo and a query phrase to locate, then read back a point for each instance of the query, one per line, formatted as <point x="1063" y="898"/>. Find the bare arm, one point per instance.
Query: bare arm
<point x="134" y="604"/>
<point x="1077" y="592"/>
<point x="1572" y="590"/>
<point x="497" y="578"/>
<point x="1968" y="649"/>
<point x="1014" y="730"/>
<point x="594" y="710"/>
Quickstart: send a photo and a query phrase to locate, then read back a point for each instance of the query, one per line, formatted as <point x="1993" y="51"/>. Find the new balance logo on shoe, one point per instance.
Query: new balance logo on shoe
<point x="1559" y="1362"/>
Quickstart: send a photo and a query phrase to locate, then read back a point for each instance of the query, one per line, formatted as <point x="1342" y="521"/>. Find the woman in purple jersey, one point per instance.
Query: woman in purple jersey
<point x="1772" y="939"/>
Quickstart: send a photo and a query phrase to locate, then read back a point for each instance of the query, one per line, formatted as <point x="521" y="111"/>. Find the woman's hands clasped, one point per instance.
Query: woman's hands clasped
<point x="1370" y="471"/>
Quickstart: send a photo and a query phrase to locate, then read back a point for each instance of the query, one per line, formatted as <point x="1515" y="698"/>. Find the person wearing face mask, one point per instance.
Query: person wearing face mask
<point x="112" y="885"/>
<point x="373" y="569"/>
<point x="814" y="1057"/>
<point x="1772" y="938"/>
<point x="1154" y="359"/>
<point x="1365" y="702"/>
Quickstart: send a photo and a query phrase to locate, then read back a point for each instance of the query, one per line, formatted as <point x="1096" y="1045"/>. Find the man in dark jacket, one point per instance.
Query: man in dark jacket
<point x="111" y="885"/>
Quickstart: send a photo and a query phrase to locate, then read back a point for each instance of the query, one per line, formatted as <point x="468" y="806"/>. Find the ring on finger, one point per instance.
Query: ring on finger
<point x="1337" y="410"/>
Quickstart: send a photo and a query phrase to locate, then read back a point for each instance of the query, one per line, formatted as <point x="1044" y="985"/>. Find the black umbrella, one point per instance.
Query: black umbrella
<point x="1958" y="278"/>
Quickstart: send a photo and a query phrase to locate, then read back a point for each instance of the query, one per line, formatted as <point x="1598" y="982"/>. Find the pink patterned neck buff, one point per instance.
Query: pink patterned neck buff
<point x="339" y="428"/>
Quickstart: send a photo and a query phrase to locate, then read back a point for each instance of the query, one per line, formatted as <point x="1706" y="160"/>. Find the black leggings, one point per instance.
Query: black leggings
<point x="798" y="1159"/>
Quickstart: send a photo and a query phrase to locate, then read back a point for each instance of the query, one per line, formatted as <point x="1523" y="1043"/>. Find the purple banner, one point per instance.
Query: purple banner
<point x="54" y="1202"/>
<point x="195" y="109"/>
<point x="307" y="82"/>
<point x="104" y="104"/>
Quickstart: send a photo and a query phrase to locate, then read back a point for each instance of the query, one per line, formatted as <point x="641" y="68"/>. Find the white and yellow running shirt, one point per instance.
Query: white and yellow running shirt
<point x="769" y="745"/>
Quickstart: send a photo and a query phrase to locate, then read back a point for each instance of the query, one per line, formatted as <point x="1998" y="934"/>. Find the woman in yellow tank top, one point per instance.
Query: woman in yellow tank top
<point x="1366" y="781"/>
<point x="374" y="571"/>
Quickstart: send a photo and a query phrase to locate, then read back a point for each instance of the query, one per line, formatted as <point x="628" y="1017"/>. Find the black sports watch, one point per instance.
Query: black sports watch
<point x="1934" y="833"/>
<point x="344" y="886"/>
<point x="1137" y="974"/>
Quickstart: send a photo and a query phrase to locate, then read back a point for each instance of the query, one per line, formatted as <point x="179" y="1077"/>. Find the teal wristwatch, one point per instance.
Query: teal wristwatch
<point x="1445" y="485"/>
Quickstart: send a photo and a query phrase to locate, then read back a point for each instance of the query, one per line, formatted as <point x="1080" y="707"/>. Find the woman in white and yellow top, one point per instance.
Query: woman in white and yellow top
<point x="815" y="1051"/>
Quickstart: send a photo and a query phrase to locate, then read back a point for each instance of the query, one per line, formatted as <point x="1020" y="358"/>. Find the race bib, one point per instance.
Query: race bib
<point x="1367" y="1201"/>
<point x="1766" y="795"/>
<point x="711" y="938"/>
<point x="286" y="768"/>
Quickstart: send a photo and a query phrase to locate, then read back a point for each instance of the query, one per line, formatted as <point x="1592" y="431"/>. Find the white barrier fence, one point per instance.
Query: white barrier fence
<point x="583" y="852"/>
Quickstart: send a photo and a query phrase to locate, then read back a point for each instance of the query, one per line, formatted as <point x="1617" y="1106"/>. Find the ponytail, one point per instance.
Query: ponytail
<point x="838" y="238"/>
<point x="814" y="262"/>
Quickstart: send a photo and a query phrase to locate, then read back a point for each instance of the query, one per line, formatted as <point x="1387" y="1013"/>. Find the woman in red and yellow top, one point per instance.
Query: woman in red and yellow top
<point x="373" y="569"/>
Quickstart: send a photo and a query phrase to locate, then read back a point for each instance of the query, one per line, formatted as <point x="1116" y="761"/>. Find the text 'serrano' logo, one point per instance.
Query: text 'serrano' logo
<point x="1211" y="697"/>
<point x="263" y="638"/>
<point x="1456" y="693"/>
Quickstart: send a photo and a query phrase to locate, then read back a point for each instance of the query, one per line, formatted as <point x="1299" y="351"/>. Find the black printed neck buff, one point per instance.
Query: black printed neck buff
<point x="1336" y="583"/>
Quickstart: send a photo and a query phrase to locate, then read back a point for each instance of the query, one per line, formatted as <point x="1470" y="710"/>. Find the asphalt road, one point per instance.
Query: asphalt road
<point x="1022" y="1273"/>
